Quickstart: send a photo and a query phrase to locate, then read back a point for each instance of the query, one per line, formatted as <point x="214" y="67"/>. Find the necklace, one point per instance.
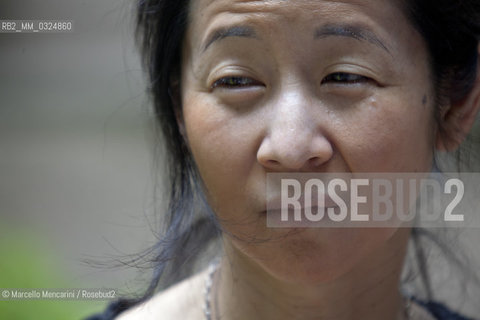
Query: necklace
<point x="207" y="308"/>
<point x="207" y="292"/>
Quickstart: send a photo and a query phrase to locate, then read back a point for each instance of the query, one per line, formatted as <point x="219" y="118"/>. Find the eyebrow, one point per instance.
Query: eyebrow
<point x="351" y="31"/>
<point x="234" y="31"/>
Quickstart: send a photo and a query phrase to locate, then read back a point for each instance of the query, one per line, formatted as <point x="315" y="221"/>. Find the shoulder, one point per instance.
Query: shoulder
<point x="181" y="301"/>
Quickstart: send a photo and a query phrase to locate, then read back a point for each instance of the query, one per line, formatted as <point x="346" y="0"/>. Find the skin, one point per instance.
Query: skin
<point x="291" y="117"/>
<point x="302" y="100"/>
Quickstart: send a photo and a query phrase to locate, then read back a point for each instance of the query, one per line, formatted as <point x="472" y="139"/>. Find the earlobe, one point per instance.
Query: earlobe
<point x="457" y="120"/>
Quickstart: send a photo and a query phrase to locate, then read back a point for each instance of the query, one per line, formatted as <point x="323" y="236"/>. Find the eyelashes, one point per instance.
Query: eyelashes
<point x="336" y="78"/>
<point x="235" y="82"/>
<point x="345" y="78"/>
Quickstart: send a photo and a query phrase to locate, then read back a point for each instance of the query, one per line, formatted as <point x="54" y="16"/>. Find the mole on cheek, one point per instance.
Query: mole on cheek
<point x="424" y="99"/>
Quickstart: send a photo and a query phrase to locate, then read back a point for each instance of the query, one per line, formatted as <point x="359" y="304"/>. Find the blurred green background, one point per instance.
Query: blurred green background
<point x="29" y="262"/>
<point x="75" y="161"/>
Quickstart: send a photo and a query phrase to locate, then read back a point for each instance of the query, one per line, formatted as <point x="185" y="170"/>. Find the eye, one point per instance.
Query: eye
<point x="344" y="78"/>
<point x="235" y="82"/>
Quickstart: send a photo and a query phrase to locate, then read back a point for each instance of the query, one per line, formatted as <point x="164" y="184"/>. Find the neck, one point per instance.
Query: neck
<point x="243" y="290"/>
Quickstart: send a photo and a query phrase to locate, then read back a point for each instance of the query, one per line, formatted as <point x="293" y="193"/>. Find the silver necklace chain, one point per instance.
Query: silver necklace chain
<point x="207" y="293"/>
<point x="207" y="290"/>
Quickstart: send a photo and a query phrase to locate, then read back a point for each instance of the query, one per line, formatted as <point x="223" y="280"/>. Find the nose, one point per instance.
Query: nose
<point x="294" y="138"/>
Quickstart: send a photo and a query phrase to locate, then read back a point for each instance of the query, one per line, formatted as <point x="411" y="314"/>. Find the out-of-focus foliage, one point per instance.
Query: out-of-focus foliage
<point x="27" y="261"/>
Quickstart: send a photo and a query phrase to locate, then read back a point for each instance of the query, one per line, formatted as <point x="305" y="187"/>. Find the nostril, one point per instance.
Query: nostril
<point x="307" y="152"/>
<point x="273" y="162"/>
<point x="315" y="161"/>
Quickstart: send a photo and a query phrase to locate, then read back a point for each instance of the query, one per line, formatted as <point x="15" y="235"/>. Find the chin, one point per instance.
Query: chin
<point x="315" y="255"/>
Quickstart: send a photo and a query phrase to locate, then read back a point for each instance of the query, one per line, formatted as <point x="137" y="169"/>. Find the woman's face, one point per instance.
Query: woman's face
<point x="302" y="86"/>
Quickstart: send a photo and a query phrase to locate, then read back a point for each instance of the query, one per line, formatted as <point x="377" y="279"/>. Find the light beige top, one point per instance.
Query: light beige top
<point x="181" y="301"/>
<point x="419" y="313"/>
<point x="185" y="301"/>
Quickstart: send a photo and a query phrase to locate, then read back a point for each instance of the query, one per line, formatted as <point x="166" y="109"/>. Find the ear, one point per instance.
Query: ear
<point x="175" y="97"/>
<point x="458" y="118"/>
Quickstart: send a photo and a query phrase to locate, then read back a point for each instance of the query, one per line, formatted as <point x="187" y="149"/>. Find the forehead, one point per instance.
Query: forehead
<point x="276" y="17"/>
<point x="284" y="6"/>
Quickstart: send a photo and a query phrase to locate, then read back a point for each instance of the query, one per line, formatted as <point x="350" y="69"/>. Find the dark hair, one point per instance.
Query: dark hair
<point x="451" y="29"/>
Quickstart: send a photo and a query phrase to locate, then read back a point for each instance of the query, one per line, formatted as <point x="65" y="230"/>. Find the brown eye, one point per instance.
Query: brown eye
<point x="344" y="78"/>
<point x="235" y="82"/>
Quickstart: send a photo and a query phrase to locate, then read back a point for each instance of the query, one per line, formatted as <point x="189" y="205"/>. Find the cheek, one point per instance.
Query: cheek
<point x="391" y="136"/>
<point x="223" y="146"/>
<point x="212" y="133"/>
